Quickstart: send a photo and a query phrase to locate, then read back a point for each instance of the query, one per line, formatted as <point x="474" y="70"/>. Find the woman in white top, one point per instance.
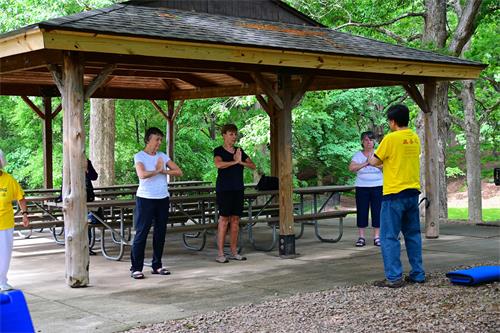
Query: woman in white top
<point x="152" y="202"/>
<point x="368" y="184"/>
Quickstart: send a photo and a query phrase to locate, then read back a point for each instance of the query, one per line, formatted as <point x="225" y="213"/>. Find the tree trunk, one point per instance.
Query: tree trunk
<point x="435" y="32"/>
<point x="431" y="162"/>
<point x="443" y="123"/>
<point x="435" y="23"/>
<point x="419" y="126"/>
<point x="472" y="153"/>
<point x="102" y="139"/>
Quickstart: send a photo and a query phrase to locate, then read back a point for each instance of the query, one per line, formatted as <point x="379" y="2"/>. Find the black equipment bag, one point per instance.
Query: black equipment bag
<point x="267" y="183"/>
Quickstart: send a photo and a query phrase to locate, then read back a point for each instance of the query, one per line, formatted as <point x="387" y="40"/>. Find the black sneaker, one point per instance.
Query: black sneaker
<point x="411" y="281"/>
<point x="389" y="284"/>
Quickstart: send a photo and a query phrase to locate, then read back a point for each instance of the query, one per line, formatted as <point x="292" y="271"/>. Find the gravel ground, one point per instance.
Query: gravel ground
<point x="436" y="306"/>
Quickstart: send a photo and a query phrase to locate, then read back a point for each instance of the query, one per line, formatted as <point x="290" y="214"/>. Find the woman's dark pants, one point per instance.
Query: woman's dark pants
<point x="148" y="212"/>
<point x="368" y="198"/>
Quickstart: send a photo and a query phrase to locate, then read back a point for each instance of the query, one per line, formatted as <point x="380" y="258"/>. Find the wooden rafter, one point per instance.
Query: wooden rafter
<point x="195" y="80"/>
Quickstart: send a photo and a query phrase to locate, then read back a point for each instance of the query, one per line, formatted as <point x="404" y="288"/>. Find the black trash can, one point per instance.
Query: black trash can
<point x="497" y="176"/>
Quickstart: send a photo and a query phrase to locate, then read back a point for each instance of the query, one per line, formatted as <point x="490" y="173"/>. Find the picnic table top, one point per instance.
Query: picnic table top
<point x="251" y="194"/>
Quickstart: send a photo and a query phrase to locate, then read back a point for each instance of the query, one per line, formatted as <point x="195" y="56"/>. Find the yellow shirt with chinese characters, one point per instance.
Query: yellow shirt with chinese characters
<point x="10" y="190"/>
<point x="400" y="153"/>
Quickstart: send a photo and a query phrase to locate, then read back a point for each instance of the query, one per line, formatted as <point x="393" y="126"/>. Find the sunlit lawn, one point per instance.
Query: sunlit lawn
<point x="489" y="214"/>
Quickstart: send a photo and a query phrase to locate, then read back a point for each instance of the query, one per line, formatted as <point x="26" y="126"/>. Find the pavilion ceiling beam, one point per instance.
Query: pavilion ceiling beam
<point x="244" y="78"/>
<point x="33" y="107"/>
<point x="195" y="80"/>
<point x="99" y="80"/>
<point x="267" y="88"/>
<point x="29" y="61"/>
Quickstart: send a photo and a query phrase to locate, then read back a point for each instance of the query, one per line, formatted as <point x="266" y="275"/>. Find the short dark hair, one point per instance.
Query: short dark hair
<point x="152" y="131"/>
<point x="228" y="128"/>
<point x="369" y="134"/>
<point x="400" y="114"/>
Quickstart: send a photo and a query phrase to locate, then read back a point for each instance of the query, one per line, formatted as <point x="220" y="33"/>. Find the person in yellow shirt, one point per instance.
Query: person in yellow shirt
<point x="399" y="152"/>
<point x="9" y="191"/>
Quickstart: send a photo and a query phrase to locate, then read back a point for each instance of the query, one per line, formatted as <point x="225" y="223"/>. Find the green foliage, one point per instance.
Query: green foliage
<point x="326" y="125"/>
<point x="454" y="172"/>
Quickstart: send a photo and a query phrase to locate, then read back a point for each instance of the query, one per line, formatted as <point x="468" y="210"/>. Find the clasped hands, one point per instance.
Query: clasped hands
<point x="160" y="167"/>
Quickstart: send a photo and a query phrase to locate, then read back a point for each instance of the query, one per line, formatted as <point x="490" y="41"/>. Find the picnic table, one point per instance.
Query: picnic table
<point x="195" y="213"/>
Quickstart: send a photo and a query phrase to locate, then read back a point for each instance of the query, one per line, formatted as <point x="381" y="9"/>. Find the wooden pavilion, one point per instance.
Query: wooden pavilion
<point x="177" y="50"/>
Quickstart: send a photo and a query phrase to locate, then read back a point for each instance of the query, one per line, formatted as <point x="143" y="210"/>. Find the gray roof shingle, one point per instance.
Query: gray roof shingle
<point x="173" y="24"/>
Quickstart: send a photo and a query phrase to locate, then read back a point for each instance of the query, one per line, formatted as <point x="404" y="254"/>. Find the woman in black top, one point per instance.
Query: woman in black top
<point x="230" y="162"/>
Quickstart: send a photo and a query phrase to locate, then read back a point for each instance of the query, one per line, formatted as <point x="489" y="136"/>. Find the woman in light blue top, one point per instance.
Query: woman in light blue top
<point x="368" y="184"/>
<point x="152" y="202"/>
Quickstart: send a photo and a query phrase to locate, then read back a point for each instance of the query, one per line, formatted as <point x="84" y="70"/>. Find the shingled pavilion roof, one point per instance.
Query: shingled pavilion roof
<point x="178" y="54"/>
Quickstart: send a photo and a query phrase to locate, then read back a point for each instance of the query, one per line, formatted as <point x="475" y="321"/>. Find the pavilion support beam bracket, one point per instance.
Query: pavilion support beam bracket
<point x="265" y="105"/>
<point x="431" y="165"/>
<point x="159" y="109"/>
<point x="178" y="109"/>
<point x="170" y="128"/>
<point x="301" y="90"/>
<point x="99" y="80"/>
<point x="56" y="111"/>
<point x="57" y="75"/>
<point x="267" y="88"/>
<point x="33" y="107"/>
<point x="417" y="97"/>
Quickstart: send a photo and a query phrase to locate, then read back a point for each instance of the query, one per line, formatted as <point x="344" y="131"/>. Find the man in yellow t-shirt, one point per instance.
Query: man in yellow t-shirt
<point x="399" y="152"/>
<point x="9" y="191"/>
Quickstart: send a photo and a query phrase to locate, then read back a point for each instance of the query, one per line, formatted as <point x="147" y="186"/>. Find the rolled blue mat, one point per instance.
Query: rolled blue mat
<point x="476" y="275"/>
<point x="14" y="314"/>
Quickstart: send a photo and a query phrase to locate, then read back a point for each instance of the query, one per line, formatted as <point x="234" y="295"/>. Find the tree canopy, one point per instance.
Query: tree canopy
<point x="326" y="125"/>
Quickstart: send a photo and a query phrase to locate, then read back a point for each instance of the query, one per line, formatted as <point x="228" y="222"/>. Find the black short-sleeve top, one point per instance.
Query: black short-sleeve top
<point x="231" y="178"/>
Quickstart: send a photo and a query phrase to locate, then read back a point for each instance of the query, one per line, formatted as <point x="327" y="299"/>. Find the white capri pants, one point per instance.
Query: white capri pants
<point x="6" y="243"/>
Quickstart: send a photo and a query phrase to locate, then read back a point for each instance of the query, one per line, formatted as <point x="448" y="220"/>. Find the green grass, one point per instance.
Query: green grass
<point x="489" y="214"/>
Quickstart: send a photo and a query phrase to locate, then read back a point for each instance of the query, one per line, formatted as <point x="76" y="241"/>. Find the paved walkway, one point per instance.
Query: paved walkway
<point x="115" y="302"/>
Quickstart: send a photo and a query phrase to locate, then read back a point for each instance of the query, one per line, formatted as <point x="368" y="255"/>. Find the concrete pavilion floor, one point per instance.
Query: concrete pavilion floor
<point x="115" y="302"/>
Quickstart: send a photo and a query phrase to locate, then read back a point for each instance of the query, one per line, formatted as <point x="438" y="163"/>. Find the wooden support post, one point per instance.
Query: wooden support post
<point x="283" y="123"/>
<point x="48" y="177"/>
<point x="431" y="162"/>
<point x="170" y="129"/>
<point x="46" y="115"/>
<point x="274" y="146"/>
<point x="74" y="164"/>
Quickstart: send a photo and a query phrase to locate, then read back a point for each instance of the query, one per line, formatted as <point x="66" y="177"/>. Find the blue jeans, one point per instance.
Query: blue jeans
<point x="401" y="215"/>
<point x="146" y="212"/>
